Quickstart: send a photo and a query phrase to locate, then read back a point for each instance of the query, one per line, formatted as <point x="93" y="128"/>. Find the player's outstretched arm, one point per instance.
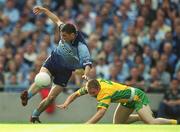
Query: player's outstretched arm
<point x="86" y="72"/>
<point x="68" y="101"/>
<point x="39" y="9"/>
<point x="99" y="114"/>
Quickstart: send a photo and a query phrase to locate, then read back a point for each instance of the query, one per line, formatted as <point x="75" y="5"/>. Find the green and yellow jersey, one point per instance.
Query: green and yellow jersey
<point x="112" y="92"/>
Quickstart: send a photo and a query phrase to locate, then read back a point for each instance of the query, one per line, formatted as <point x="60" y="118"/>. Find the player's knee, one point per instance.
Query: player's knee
<point x="51" y="98"/>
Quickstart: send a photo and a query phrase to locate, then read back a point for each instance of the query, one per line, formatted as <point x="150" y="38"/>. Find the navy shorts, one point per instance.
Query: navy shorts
<point x="59" y="72"/>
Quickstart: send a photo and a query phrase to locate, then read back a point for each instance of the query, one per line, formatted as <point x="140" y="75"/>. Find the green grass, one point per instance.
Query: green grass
<point x="87" y="128"/>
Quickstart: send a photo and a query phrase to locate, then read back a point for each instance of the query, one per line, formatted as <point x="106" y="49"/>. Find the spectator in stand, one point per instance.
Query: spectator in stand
<point x="10" y="11"/>
<point x="94" y="45"/>
<point x="159" y="33"/>
<point x="154" y="83"/>
<point x="70" y="7"/>
<point x="108" y="49"/>
<point x="102" y="66"/>
<point x="143" y="71"/>
<point x="138" y="60"/>
<point x="30" y="54"/>
<point x="118" y="27"/>
<point x="113" y="70"/>
<point x="3" y="57"/>
<point x="155" y="58"/>
<point x="163" y="27"/>
<point x="6" y="26"/>
<point x="147" y="56"/>
<point x="172" y="58"/>
<point x="137" y="46"/>
<point x="21" y="65"/>
<point x="125" y="59"/>
<point x="140" y="29"/>
<point x="151" y="40"/>
<point x="178" y="76"/>
<point x="14" y="77"/>
<point x="148" y="14"/>
<point x="43" y="47"/>
<point x="177" y="68"/>
<point x="164" y="59"/>
<point x="88" y="17"/>
<point x="115" y="40"/>
<point x="165" y="77"/>
<point x="122" y="12"/>
<point x="135" y="79"/>
<point x="106" y="18"/>
<point x="126" y="38"/>
<point x="168" y="39"/>
<point x="31" y="76"/>
<point x="170" y="106"/>
<point x="131" y="53"/>
<point x="121" y="68"/>
<point x="176" y="37"/>
<point x="47" y="38"/>
<point x="1" y="77"/>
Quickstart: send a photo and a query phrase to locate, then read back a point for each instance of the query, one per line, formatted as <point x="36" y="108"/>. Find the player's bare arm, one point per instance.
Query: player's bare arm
<point x="39" y="9"/>
<point x="99" y="114"/>
<point x="86" y="72"/>
<point x="68" y="101"/>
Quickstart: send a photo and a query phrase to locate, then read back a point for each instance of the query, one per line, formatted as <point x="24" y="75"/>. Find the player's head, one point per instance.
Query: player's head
<point x="68" y="32"/>
<point x="93" y="87"/>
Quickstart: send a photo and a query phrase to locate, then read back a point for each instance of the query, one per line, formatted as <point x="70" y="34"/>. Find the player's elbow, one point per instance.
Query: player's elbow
<point x="75" y="95"/>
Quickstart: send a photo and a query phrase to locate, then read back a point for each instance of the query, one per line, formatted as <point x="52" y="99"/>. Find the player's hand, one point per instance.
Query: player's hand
<point x="38" y="9"/>
<point x="62" y="106"/>
<point x="85" y="77"/>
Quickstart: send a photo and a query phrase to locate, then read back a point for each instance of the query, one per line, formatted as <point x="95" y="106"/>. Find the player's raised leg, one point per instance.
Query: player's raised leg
<point x="146" y="115"/>
<point x="121" y="114"/>
<point x="27" y="94"/>
<point x="55" y="90"/>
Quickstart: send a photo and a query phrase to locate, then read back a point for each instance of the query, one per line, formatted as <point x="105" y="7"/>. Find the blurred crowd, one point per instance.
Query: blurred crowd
<point x="135" y="42"/>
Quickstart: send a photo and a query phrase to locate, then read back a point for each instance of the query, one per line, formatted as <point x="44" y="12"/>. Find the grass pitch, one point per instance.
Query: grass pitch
<point x="87" y="128"/>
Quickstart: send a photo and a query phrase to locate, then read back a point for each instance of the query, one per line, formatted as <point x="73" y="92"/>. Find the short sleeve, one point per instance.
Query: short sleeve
<point x="84" y="55"/>
<point x="82" y="91"/>
<point x="61" y="26"/>
<point x="104" y="102"/>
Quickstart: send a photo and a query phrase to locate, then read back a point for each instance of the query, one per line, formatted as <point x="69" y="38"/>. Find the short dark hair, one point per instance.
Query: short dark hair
<point x="68" y="28"/>
<point x="93" y="84"/>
